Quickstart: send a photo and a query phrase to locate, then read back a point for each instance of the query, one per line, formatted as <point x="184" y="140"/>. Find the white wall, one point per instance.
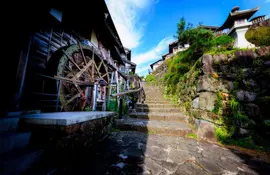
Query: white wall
<point x="155" y="66"/>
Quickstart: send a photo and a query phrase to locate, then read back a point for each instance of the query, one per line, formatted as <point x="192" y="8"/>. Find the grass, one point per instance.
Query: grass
<point x="192" y="135"/>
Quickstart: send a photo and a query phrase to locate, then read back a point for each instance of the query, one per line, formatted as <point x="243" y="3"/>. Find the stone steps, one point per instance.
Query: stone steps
<point x="13" y="141"/>
<point x="170" y="110"/>
<point x="8" y="124"/>
<point x="157" y="102"/>
<point x="18" y="162"/>
<point x="155" y="105"/>
<point x="159" y="116"/>
<point x="169" y="128"/>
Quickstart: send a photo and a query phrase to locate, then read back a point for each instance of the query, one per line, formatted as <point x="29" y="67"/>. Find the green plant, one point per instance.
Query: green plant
<point x="234" y="104"/>
<point x="192" y="135"/>
<point x="224" y="133"/>
<point x="267" y="122"/>
<point x="259" y="36"/>
<point x="224" y="41"/>
<point x="150" y="78"/>
<point x="218" y="104"/>
<point x="112" y="105"/>
<point x="87" y="108"/>
<point x="235" y="85"/>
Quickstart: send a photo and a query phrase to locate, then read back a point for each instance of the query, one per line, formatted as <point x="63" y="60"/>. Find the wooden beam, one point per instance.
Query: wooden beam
<point x="72" y="81"/>
<point x="71" y="59"/>
<point x="83" y="70"/>
<point x="82" y="53"/>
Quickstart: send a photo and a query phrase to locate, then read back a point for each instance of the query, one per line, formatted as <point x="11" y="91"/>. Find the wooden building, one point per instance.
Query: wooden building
<point x="63" y="52"/>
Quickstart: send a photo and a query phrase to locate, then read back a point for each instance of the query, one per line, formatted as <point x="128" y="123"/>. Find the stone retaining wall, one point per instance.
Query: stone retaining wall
<point x="244" y="75"/>
<point x="78" y="135"/>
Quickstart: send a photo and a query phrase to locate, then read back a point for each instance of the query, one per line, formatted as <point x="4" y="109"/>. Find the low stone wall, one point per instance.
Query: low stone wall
<point x="78" y="131"/>
<point x="244" y="75"/>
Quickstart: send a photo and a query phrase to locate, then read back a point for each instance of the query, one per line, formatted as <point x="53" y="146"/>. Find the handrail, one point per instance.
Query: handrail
<point x="128" y="92"/>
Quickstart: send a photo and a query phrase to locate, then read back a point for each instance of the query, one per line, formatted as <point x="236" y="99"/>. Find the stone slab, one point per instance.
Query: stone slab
<point x="8" y="124"/>
<point x="13" y="140"/>
<point x="63" y="118"/>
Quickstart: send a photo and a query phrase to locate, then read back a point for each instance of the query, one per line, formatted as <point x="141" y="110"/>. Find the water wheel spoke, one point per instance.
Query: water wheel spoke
<point x="71" y="99"/>
<point x="103" y="75"/>
<point x="79" y="90"/>
<point x="66" y="66"/>
<point x="97" y="70"/>
<point x="82" y="70"/>
<point x="68" y="80"/>
<point x="99" y="66"/>
<point x="82" y="53"/>
<point x="71" y="60"/>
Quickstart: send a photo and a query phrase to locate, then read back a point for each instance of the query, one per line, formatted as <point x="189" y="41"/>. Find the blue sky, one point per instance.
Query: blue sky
<point x="148" y="26"/>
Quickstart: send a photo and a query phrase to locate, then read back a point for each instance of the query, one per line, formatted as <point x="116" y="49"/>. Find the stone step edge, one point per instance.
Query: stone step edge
<point x="155" y="130"/>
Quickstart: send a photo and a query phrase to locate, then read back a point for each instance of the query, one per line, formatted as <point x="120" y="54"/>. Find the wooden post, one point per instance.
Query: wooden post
<point x="120" y="108"/>
<point x="58" y="95"/>
<point x="104" y="103"/>
<point x="95" y="96"/>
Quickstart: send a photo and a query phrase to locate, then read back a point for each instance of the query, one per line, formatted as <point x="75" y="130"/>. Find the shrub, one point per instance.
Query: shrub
<point x="150" y="78"/>
<point x="218" y="104"/>
<point x="223" y="134"/>
<point x="259" y="36"/>
<point x="222" y="40"/>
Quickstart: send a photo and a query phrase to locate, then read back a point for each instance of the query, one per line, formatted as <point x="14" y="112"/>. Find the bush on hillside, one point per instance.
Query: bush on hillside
<point x="150" y="78"/>
<point x="259" y="36"/>
<point x="222" y="40"/>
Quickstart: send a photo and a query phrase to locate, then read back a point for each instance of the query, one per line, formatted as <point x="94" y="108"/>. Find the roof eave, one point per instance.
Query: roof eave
<point x="251" y="12"/>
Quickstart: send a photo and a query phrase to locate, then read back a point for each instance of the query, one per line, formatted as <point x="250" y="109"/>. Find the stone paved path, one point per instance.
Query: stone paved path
<point x="137" y="153"/>
<point x="153" y="142"/>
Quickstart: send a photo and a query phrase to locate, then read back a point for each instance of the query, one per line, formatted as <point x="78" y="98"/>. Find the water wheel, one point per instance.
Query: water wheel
<point x="78" y="68"/>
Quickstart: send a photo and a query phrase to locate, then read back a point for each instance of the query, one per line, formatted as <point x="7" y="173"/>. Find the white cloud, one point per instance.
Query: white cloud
<point x="144" y="60"/>
<point x="153" y="54"/>
<point x="127" y="17"/>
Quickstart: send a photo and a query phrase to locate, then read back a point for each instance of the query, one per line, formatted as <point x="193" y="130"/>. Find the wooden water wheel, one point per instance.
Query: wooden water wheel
<point x="79" y="67"/>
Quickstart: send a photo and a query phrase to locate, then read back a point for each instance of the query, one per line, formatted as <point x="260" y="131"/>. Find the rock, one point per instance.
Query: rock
<point x="263" y="51"/>
<point x="201" y="114"/>
<point x="228" y="85"/>
<point x="210" y="84"/>
<point x="245" y="58"/>
<point x="195" y="103"/>
<point x="250" y="84"/>
<point x="242" y="132"/>
<point x="252" y="110"/>
<point x="206" y="131"/>
<point x="207" y="100"/>
<point x="266" y="63"/>
<point x="219" y="58"/>
<point x="207" y="62"/>
<point x="245" y="96"/>
<point x="190" y="168"/>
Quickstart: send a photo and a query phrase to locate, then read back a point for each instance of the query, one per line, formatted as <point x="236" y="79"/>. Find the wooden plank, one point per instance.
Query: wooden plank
<point x="82" y="70"/>
<point x="97" y="70"/>
<point x="82" y="53"/>
<point x="71" y="59"/>
<point x="74" y="81"/>
<point x="70" y="100"/>
<point x="99" y="66"/>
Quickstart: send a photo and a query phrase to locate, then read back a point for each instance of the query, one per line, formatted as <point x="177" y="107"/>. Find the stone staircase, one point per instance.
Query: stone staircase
<point x="16" y="155"/>
<point x="156" y="115"/>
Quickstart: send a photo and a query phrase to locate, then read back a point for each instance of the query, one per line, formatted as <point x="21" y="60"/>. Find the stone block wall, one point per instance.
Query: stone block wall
<point x="243" y="75"/>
